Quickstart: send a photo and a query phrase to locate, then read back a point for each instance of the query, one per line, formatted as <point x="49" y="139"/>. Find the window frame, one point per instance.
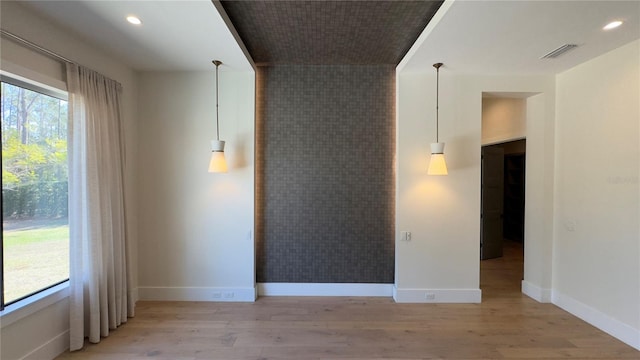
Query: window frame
<point x="34" y="86"/>
<point x="55" y="288"/>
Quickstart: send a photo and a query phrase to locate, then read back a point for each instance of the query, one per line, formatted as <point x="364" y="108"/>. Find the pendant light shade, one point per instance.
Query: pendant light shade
<point x="217" y="164"/>
<point x="437" y="164"/>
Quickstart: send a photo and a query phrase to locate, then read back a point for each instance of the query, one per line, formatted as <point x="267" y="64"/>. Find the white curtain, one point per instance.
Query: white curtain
<point x="99" y="277"/>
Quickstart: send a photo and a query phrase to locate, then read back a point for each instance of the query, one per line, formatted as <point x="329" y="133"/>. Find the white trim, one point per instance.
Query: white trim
<point x="437" y="295"/>
<point x="535" y="292"/>
<point x="222" y="294"/>
<point x="33" y="77"/>
<point x="51" y="349"/>
<point x="496" y="140"/>
<point x="614" y="327"/>
<point x="324" y="289"/>
<point x="33" y="304"/>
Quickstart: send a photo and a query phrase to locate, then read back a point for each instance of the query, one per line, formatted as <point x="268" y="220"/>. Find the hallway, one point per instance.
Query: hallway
<point x="502" y="277"/>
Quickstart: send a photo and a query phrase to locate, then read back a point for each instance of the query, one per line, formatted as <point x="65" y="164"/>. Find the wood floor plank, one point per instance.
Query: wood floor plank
<point x="506" y="325"/>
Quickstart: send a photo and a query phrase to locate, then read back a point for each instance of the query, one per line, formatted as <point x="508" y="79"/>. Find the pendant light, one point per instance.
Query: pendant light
<point x="217" y="164"/>
<point x="437" y="165"/>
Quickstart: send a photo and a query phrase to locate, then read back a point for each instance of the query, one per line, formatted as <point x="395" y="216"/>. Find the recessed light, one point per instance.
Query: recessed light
<point x="612" y="25"/>
<point x="134" y="20"/>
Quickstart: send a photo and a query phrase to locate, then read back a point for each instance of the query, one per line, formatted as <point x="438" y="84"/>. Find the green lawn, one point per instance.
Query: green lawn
<point x="22" y="237"/>
<point x="35" y="257"/>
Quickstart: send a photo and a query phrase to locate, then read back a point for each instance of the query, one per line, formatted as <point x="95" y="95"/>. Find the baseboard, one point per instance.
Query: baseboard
<point x="51" y="349"/>
<point x="602" y="321"/>
<point x="535" y="292"/>
<point x="437" y="295"/>
<point x="197" y="294"/>
<point x="324" y="289"/>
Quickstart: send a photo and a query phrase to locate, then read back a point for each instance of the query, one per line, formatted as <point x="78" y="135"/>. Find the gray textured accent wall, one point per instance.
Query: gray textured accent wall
<point x="325" y="180"/>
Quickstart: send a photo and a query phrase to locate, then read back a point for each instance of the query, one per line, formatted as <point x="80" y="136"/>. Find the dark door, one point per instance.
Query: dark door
<point x="492" y="174"/>
<point x="514" y="176"/>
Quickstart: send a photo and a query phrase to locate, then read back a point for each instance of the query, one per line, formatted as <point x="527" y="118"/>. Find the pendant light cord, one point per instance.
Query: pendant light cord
<point x="437" y="66"/>
<point x="437" y="97"/>
<point x="217" y="122"/>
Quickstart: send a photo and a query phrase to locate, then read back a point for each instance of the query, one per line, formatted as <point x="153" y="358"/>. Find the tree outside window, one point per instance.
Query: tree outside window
<point x="35" y="236"/>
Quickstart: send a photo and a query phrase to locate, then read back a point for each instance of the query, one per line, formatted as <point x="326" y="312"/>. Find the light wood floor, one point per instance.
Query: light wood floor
<point x="506" y="325"/>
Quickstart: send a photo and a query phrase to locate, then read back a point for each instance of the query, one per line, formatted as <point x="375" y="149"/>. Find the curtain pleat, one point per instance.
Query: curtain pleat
<point x="100" y="276"/>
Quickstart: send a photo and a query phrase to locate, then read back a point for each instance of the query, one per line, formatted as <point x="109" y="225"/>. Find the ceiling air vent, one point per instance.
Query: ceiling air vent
<point x="559" y="51"/>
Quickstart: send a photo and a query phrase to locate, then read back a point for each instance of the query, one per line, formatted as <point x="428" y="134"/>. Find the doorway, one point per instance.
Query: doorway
<point x="502" y="217"/>
<point x="509" y="116"/>
<point x="503" y="190"/>
<point x="502" y="214"/>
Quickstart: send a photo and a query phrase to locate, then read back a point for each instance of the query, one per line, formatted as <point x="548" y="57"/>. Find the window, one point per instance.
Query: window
<point x="35" y="227"/>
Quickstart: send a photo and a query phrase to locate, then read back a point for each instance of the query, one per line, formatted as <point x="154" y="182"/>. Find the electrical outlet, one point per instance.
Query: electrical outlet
<point x="430" y="296"/>
<point x="405" y="235"/>
<point x="228" y="295"/>
<point x="570" y="225"/>
<point x="217" y="295"/>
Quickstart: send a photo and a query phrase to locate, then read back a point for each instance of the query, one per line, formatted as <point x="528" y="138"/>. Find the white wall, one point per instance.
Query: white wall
<point x="538" y="217"/>
<point x="503" y="119"/>
<point x="41" y="335"/>
<point x="597" y="240"/>
<point x="51" y="323"/>
<point x="443" y="213"/>
<point x="196" y="228"/>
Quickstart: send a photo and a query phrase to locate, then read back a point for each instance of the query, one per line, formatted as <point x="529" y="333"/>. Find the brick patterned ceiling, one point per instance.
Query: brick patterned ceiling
<point x="329" y="32"/>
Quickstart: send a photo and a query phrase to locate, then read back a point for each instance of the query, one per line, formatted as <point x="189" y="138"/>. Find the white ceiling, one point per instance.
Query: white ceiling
<point x="509" y="37"/>
<point x="478" y="37"/>
<point x="174" y="35"/>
